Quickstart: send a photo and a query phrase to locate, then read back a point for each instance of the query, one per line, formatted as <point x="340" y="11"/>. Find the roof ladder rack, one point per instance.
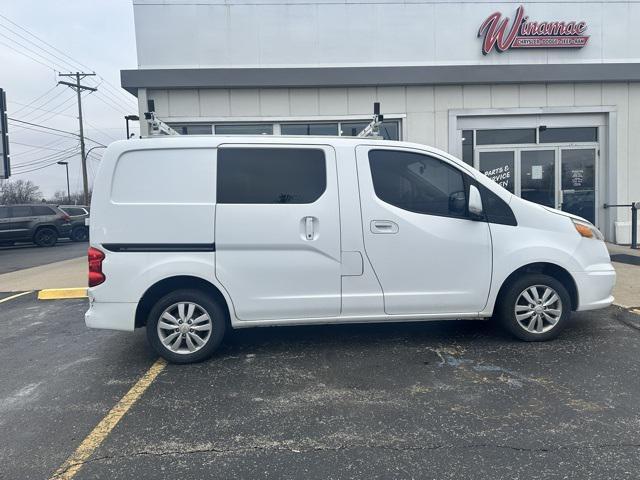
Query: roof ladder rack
<point x="157" y="126"/>
<point x="373" y="129"/>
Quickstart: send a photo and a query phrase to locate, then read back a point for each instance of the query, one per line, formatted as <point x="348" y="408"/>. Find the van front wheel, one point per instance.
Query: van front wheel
<point x="535" y="308"/>
<point x="186" y="326"/>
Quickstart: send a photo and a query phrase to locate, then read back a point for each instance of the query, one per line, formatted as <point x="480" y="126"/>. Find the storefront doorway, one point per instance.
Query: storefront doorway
<point x="556" y="176"/>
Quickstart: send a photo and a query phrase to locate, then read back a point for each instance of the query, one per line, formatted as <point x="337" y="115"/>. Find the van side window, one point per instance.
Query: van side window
<point x="496" y="209"/>
<point x="270" y="175"/>
<point x="418" y="183"/>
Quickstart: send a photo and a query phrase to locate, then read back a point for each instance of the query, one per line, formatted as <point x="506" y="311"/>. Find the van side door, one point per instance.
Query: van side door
<point x="277" y="230"/>
<point x="430" y="256"/>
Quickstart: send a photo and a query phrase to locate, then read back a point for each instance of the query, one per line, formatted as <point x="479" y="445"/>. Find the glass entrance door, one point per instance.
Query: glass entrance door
<point x="499" y="166"/>
<point x="538" y="176"/>
<point x="560" y="177"/>
<point x="578" y="181"/>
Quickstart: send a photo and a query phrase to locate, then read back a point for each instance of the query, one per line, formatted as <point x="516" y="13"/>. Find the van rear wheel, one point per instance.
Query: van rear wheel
<point x="535" y="308"/>
<point x="186" y="326"/>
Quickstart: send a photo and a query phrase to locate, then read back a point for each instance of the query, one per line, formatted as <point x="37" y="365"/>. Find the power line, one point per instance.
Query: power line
<point x="39" y="161"/>
<point x="35" y="99"/>
<point x="40" y="109"/>
<point x="52" y="156"/>
<point x="43" y="41"/>
<point x="48" y="144"/>
<point x="36" y="45"/>
<point x="32" y="51"/>
<point x="53" y="129"/>
<point x="65" y="103"/>
<point x="44" y="131"/>
<point x="100" y="130"/>
<point x="110" y="105"/>
<point x="43" y="166"/>
<point x="37" y="146"/>
<point x="26" y="55"/>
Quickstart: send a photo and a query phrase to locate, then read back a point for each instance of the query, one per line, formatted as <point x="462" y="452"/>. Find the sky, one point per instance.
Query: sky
<point x="99" y="34"/>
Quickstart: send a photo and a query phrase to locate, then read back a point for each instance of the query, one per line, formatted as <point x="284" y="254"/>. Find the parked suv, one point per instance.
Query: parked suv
<point x="191" y="236"/>
<point x="79" y="226"/>
<point x="42" y="224"/>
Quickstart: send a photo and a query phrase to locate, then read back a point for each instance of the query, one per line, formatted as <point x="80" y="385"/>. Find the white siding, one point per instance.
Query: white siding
<point x="250" y="33"/>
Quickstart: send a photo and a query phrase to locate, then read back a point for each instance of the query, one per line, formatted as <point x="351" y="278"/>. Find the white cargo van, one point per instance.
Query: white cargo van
<point x="191" y="236"/>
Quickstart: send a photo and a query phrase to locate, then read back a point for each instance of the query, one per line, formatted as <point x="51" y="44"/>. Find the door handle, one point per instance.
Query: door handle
<point x="309" y="227"/>
<point x="384" y="226"/>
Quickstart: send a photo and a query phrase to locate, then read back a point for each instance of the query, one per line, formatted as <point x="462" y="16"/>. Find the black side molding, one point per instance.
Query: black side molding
<point x="160" y="247"/>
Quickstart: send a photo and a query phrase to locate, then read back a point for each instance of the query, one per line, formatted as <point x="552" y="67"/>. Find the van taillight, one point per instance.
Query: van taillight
<point x="96" y="277"/>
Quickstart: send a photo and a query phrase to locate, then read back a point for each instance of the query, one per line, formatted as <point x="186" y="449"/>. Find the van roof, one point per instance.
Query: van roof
<point x="160" y="141"/>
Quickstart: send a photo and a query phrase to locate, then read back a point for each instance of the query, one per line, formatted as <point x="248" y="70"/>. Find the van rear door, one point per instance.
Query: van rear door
<point x="278" y="230"/>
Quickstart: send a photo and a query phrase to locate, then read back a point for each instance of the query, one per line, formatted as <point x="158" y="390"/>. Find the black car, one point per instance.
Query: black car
<point x="79" y="227"/>
<point x="42" y="224"/>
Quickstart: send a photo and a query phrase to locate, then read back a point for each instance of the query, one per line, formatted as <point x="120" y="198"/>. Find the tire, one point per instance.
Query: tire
<point x="80" y="234"/>
<point x="45" y="237"/>
<point x="182" y="334"/>
<point x="534" y="321"/>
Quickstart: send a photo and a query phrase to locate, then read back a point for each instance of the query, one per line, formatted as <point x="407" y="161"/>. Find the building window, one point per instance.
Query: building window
<point x="568" y="135"/>
<point x="270" y="175"/>
<point x="506" y="136"/>
<point x="244" y="129"/>
<point x="417" y="183"/>
<point x="192" y="129"/>
<point x="309" y="129"/>
<point x="467" y="147"/>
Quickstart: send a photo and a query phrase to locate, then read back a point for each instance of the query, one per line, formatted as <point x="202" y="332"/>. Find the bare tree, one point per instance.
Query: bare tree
<point x="19" y="191"/>
<point x="60" y="198"/>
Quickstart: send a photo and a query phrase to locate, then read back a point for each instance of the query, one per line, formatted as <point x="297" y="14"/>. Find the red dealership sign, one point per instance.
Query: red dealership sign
<point x="524" y="33"/>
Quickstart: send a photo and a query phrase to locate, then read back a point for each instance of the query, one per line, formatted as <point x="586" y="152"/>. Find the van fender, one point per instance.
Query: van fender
<point x="517" y="259"/>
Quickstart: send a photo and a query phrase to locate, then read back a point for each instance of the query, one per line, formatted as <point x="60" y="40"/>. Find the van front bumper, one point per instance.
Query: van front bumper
<point x="595" y="287"/>
<point x="111" y="316"/>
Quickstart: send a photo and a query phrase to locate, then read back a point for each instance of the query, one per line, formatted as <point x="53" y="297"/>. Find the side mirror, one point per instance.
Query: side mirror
<point x="475" y="203"/>
<point x="457" y="203"/>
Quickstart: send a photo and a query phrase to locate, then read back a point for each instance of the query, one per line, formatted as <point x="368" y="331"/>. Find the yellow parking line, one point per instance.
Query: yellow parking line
<point x="58" y="293"/>
<point x="15" y="296"/>
<point x="92" y="441"/>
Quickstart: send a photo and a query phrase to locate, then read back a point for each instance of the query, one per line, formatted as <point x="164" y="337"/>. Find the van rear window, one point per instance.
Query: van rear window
<point x="270" y="175"/>
<point x="177" y="176"/>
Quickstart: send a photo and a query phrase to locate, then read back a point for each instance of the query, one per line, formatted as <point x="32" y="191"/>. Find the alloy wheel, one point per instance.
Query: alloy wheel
<point x="538" y="309"/>
<point x="184" y="328"/>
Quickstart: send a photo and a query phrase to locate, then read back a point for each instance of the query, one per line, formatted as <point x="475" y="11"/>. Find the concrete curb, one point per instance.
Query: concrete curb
<point x="60" y="293"/>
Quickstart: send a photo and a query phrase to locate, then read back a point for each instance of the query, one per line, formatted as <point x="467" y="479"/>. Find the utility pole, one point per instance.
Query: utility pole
<point x="79" y="88"/>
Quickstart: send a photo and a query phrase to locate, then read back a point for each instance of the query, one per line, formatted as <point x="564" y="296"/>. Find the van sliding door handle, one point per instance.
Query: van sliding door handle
<point x="383" y="226"/>
<point x="309" y="228"/>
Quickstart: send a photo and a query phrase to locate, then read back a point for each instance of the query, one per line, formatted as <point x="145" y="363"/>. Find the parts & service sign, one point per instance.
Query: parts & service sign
<point x="502" y="34"/>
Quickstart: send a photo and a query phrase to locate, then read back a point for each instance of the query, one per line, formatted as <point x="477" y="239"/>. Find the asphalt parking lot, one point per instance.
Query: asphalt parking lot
<point x="27" y="255"/>
<point x="419" y="400"/>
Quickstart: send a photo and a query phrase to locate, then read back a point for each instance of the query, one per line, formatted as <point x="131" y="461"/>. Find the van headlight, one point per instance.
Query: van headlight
<point x="587" y="230"/>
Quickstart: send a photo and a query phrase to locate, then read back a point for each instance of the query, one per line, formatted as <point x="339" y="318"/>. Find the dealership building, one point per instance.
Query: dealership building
<point x="542" y="96"/>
